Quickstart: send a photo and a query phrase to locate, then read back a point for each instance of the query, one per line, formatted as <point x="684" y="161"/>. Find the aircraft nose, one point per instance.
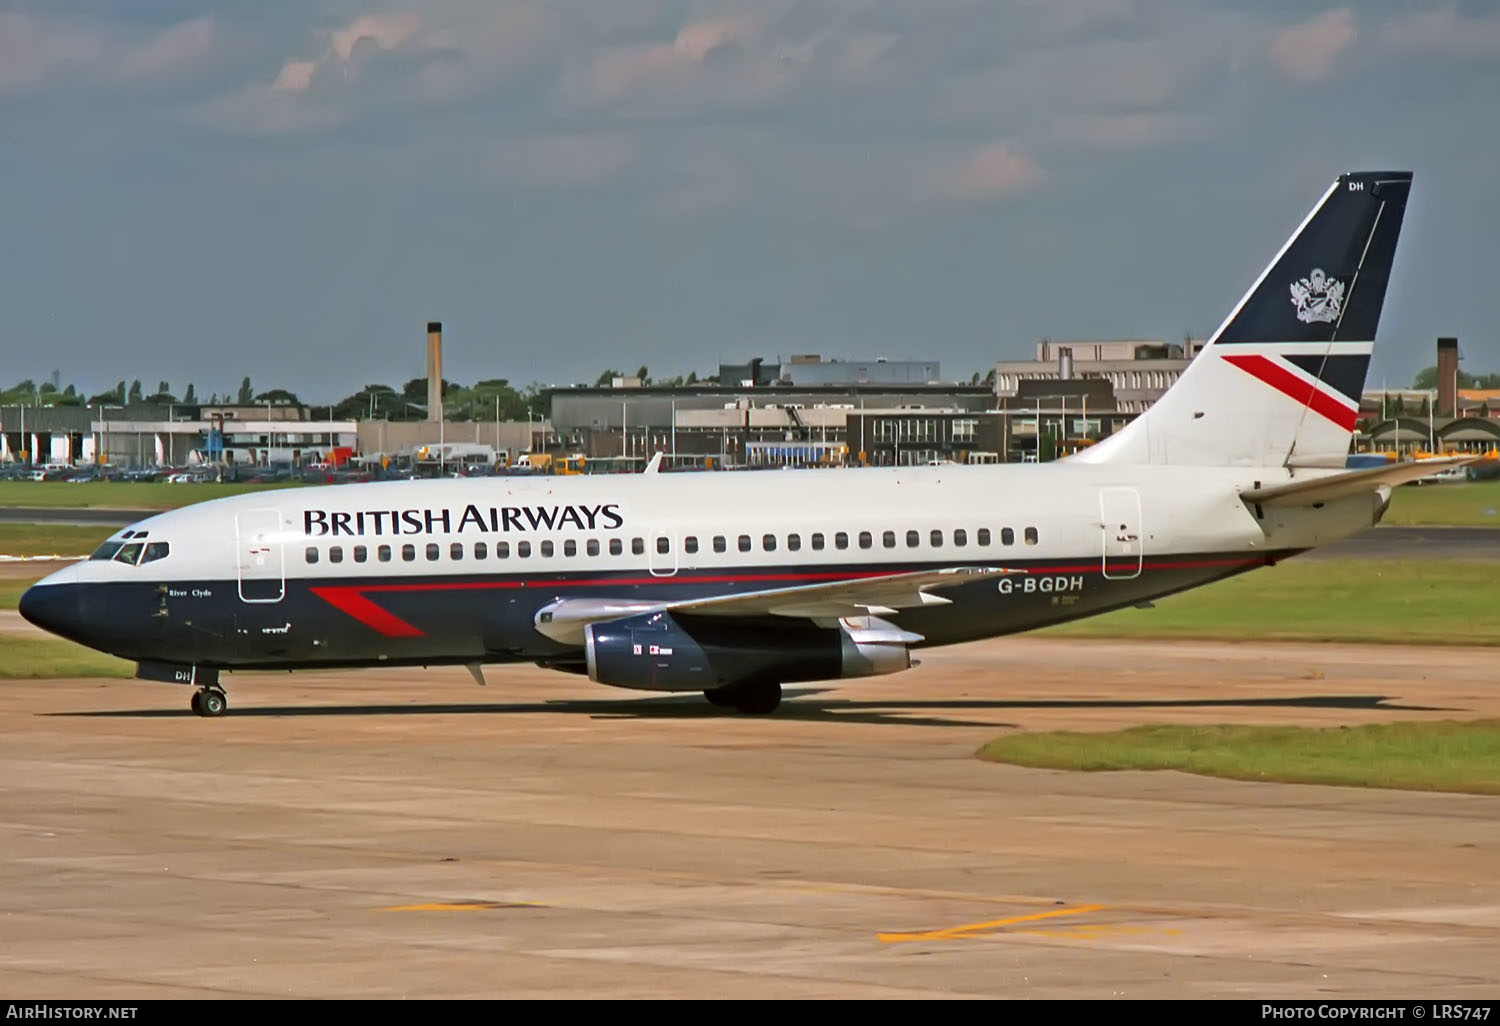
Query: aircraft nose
<point x="52" y="607"/>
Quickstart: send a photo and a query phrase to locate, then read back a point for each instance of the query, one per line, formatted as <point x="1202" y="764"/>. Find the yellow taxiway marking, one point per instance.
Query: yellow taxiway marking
<point x="970" y="929"/>
<point x="459" y="906"/>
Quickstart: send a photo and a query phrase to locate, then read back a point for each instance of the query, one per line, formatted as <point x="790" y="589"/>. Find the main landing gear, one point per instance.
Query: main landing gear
<point x="755" y="698"/>
<point x="210" y="702"/>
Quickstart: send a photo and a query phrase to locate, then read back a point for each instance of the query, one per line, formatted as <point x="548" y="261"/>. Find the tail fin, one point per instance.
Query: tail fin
<point x="1280" y="381"/>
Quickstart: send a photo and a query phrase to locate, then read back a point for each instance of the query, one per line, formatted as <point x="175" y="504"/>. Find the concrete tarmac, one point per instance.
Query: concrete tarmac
<point x="402" y="834"/>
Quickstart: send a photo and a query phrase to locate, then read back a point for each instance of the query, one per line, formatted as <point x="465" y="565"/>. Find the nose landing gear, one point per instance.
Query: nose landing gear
<point x="210" y="701"/>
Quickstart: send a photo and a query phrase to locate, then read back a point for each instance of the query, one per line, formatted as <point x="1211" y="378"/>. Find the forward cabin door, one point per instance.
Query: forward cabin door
<point x="1120" y="523"/>
<point x="259" y="555"/>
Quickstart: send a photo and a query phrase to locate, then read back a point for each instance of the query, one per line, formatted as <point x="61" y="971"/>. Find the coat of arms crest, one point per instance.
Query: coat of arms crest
<point x="1318" y="297"/>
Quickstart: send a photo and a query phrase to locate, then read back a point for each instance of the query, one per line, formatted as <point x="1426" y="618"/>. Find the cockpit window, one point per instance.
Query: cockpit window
<point x="155" y="551"/>
<point x="129" y="553"/>
<point x="107" y="550"/>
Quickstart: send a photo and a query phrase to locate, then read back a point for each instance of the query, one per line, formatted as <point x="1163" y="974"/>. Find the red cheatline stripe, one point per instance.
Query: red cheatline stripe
<point x="349" y="598"/>
<point x="1304" y="392"/>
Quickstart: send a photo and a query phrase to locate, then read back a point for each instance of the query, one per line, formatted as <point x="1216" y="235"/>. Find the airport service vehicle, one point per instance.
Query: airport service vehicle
<point x="733" y="585"/>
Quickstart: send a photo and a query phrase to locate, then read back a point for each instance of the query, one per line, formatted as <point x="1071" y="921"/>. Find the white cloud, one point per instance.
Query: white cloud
<point x="295" y="76"/>
<point x="991" y="172"/>
<point x="52" y="52"/>
<point x="166" y="54"/>
<point x="1307" y="51"/>
<point x="386" y="31"/>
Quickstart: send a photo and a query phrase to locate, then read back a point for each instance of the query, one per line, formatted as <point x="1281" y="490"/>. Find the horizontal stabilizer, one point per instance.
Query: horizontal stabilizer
<point x="1355" y="482"/>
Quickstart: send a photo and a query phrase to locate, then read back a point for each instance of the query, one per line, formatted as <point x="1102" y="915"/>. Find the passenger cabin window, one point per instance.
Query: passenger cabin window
<point x="937" y="539"/>
<point x="456" y="550"/>
<point x="793" y="542"/>
<point x="155" y="551"/>
<point x="547" y="548"/>
<point x="865" y="540"/>
<point x="361" y="553"/>
<point x="913" y="539"/>
<point x="768" y="542"/>
<point x="433" y="552"/>
<point x="960" y="536"/>
<point x="593" y="546"/>
<point x="408" y="553"/>
<point x="663" y="544"/>
<point x="1030" y="536"/>
<point x="481" y="550"/>
<point x="744" y="543"/>
<point x="383" y="553"/>
<point x="311" y="555"/>
<point x="690" y="544"/>
<point x="721" y="544"/>
<point x="570" y="547"/>
<point x="817" y="542"/>
<point x="616" y="546"/>
<point x="335" y="554"/>
<point x="502" y="550"/>
<point x="1007" y="537"/>
<point x="841" y="541"/>
<point x="637" y="546"/>
<point x="523" y="549"/>
<point x="888" y="539"/>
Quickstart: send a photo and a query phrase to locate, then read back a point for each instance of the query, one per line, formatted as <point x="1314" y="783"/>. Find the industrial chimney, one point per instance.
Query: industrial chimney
<point x="434" y="371"/>
<point x="1447" y="377"/>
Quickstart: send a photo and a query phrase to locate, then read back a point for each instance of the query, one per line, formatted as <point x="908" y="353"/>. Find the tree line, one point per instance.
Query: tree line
<point x="483" y="400"/>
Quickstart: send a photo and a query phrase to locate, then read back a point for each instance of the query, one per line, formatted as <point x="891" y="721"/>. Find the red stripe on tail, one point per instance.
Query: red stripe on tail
<point x="1320" y="402"/>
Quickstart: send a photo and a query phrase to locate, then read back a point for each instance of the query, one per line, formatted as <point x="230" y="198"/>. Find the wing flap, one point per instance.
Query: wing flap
<point x="564" y="620"/>
<point x="886" y="593"/>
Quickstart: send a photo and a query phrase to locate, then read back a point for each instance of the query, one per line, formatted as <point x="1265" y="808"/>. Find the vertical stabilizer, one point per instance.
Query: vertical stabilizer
<point x="1281" y="379"/>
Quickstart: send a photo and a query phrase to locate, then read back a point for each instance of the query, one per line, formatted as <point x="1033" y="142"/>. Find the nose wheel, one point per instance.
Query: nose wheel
<point x="209" y="702"/>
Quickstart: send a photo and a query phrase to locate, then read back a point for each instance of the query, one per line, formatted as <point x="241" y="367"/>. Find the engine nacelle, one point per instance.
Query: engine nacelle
<point x="662" y="652"/>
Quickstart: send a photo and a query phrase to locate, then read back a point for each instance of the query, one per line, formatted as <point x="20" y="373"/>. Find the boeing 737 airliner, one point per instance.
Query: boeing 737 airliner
<point x="734" y="584"/>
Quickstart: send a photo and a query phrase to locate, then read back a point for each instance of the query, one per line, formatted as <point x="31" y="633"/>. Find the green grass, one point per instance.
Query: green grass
<point x="52" y="539"/>
<point x="1400" y="601"/>
<point x="10" y="596"/>
<point x="121" y="494"/>
<point x="1445" y="756"/>
<point x="1474" y="504"/>
<point x="23" y="657"/>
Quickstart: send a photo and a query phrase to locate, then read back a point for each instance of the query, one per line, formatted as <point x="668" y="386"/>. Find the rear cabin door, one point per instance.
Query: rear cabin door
<point x="259" y="555"/>
<point x="1120" y="523"/>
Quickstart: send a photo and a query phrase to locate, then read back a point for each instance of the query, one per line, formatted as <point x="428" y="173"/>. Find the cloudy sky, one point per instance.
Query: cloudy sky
<point x="203" y="190"/>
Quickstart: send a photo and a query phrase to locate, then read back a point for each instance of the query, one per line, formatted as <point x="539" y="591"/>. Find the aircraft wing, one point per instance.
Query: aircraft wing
<point x="1355" y="482"/>
<point x="565" y="619"/>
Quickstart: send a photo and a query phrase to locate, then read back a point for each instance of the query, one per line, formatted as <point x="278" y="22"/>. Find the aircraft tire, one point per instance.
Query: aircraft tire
<point x="211" y="702"/>
<point x="759" y="699"/>
<point x="724" y="698"/>
<point x="197" y="705"/>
